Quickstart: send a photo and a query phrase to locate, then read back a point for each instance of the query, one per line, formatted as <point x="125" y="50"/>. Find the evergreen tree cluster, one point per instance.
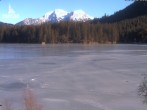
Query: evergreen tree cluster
<point x="133" y="30"/>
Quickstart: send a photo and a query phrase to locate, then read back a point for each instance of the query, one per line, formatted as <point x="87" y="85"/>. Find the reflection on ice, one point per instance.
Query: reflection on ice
<point x="13" y="86"/>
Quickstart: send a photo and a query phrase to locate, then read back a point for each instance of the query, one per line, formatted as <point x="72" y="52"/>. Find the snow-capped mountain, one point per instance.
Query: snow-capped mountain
<point x="57" y="16"/>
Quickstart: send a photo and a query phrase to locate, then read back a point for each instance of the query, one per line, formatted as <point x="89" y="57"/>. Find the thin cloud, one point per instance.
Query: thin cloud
<point x="11" y="14"/>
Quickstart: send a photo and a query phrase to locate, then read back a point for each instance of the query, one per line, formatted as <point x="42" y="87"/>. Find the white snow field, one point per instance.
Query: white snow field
<point x="74" y="76"/>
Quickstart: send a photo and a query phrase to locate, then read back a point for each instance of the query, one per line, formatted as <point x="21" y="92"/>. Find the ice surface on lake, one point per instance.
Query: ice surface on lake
<point x="74" y="76"/>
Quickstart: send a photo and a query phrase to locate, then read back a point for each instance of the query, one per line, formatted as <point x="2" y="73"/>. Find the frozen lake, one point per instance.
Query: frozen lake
<point x="74" y="76"/>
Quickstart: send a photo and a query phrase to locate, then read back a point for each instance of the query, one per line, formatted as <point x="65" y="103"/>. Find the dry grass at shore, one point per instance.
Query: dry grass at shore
<point x="29" y="100"/>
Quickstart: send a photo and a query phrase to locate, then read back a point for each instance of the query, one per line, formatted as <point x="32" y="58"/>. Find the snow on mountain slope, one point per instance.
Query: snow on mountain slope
<point x="57" y="16"/>
<point x="79" y="15"/>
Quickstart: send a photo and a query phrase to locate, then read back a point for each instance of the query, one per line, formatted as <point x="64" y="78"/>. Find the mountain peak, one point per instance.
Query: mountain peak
<point x="59" y="11"/>
<point x="54" y="16"/>
<point x="59" y="14"/>
<point x="79" y="11"/>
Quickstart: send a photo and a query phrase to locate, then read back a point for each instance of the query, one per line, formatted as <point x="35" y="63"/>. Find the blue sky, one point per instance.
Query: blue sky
<point x="13" y="11"/>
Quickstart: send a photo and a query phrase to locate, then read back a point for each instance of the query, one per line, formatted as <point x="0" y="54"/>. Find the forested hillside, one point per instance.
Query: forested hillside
<point x="138" y="8"/>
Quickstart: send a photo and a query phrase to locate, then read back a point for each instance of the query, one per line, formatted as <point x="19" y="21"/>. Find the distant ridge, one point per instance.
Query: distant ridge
<point x="5" y="24"/>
